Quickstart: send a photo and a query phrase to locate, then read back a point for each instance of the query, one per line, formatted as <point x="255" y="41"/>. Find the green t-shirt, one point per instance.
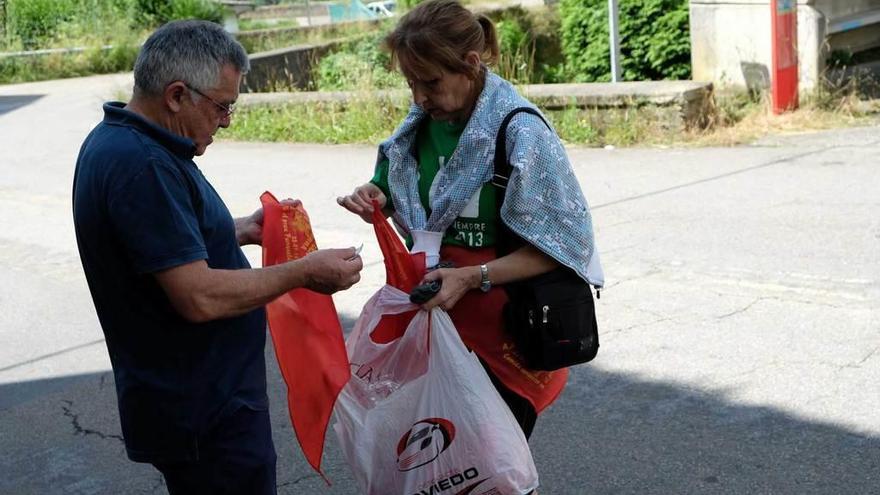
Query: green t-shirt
<point x="435" y="143"/>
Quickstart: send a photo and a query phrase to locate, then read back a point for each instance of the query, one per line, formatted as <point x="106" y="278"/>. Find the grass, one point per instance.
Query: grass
<point x="364" y="120"/>
<point x="94" y="60"/>
<point x="741" y="120"/>
<point x="738" y="119"/>
<point x="255" y="24"/>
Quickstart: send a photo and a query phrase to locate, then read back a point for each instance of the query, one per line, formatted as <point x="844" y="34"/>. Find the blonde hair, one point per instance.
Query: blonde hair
<point x="438" y="34"/>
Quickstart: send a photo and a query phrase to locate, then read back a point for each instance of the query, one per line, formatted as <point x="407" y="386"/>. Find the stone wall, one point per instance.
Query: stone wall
<point x="284" y="69"/>
<point x="677" y="105"/>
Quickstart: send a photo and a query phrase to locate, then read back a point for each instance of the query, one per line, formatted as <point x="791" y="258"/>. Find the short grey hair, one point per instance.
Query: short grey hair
<point x="189" y="51"/>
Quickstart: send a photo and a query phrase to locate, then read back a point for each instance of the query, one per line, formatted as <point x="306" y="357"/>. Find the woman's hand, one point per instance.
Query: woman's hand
<point x="521" y="264"/>
<point x="360" y="202"/>
<point x="456" y="282"/>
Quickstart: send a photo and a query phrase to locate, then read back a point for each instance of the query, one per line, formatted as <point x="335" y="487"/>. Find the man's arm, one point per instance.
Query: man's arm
<point x="200" y="293"/>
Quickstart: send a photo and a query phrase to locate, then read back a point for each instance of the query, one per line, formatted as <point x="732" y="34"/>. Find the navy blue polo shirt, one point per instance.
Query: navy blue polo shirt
<point x="141" y="205"/>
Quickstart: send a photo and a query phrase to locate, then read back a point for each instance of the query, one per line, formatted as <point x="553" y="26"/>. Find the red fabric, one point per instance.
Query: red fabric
<point x="305" y="331"/>
<point x="477" y="316"/>
<point x="402" y="270"/>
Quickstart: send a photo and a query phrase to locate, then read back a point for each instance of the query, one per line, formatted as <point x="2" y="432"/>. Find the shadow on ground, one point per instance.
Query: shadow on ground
<point x="609" y="434"/>
<point x="12" y="102"/>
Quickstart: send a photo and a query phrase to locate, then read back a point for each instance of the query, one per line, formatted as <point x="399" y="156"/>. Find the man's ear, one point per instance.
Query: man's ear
<point x="472" y="58"/>
<point x="174" y="95"/>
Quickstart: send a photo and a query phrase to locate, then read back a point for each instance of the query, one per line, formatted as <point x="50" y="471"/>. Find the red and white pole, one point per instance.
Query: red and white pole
<point x="784" y="73"/>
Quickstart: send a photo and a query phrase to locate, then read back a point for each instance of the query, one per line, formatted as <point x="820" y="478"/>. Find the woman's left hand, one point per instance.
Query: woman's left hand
<point x="455" y="283"/>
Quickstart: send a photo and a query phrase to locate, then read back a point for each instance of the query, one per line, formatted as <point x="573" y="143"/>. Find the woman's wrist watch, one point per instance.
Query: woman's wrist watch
<point x="485" y="284"/>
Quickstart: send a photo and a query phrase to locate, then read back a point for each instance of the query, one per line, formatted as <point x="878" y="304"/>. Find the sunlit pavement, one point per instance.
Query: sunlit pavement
<point x="739" y="327"/>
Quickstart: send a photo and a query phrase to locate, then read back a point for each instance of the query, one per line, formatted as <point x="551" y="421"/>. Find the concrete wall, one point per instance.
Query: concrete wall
<point x="284" y="69"/>
<point x="731" y="39"/>
<point x="673" y="105"/>
<point x="731" y="42"/>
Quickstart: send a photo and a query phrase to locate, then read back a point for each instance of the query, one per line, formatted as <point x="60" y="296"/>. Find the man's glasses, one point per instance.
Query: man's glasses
<point x="227" y="109"/>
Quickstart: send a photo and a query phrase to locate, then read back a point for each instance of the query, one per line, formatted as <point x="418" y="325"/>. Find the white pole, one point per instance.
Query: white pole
<point x="614" y="36"/>
<point x="309" y="12"/>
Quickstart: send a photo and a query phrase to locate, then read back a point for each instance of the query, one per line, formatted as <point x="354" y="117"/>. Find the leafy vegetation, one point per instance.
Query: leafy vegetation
<point x="524" y="37"/>
<point x="151" y="13"/>
<point x="359" y="64"/>
<point x="91" y="26"/>
<point x="530" y="45"/>
<point x="34" y="24"/>
<point x="654" y="34"/>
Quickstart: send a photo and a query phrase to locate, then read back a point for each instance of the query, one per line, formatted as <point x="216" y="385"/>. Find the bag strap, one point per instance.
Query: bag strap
<point x="501" y="176"/>
<point x="507" y="240"/>
<point x="502" y="166"/>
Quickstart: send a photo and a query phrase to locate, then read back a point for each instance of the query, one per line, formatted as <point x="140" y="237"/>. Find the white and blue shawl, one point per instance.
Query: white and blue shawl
<point x="543" y="203"/>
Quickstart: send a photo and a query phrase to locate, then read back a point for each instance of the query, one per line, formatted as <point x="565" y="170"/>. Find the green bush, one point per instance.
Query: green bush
<point x="36" y="24"/>
<point x="529" y="43"/>
<point x="156" y="12"/>
<point x="35" y="21"/>
<point x="654" y="40"/>
<point x="359" y="64"/>
<point x="516" y="59"/>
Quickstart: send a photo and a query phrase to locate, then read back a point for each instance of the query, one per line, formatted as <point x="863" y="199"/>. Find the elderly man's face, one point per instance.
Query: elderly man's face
<point x="211" y="108"/>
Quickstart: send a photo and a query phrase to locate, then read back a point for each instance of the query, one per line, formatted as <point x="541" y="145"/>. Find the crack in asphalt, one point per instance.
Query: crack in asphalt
<point x="741" y="310"/>
<point x="651" y="272"/>
<point x="78" y="429"/>
<point x="717" y="177"/>
<point x="862" y="361"/>
<point x="637" y="325"/>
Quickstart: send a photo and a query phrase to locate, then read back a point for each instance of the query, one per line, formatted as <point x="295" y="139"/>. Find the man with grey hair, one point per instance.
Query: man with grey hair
<point x="182" y="311"/>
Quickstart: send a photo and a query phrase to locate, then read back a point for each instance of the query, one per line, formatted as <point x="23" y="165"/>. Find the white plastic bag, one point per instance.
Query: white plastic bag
<point x="420" y="415"/>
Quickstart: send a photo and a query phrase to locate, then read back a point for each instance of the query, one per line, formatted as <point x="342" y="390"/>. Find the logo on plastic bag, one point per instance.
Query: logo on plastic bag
<point x="424" y="442"/>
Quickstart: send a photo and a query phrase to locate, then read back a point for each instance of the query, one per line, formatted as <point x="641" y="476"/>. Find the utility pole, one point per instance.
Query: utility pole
<point x="614" y="35"/>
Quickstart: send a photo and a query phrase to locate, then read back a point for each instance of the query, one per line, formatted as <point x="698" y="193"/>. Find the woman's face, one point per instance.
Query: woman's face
<point x="444" y="95"/>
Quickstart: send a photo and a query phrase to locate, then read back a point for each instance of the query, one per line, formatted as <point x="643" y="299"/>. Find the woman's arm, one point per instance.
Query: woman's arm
<point x="525" y="262"/>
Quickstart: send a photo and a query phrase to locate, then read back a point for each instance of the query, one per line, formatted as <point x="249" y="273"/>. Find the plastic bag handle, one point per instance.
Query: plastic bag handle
<point x="401" y="268"/>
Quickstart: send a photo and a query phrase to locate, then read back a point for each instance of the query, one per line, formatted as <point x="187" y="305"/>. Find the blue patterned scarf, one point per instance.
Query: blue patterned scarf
<point x="543" y="203"/>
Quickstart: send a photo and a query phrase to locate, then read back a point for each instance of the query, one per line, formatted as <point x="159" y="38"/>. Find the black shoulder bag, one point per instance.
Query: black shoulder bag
<point x="551" y="317"/>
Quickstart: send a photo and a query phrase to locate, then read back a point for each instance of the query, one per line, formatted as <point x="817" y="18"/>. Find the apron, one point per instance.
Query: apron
<point x="477" y="316"/>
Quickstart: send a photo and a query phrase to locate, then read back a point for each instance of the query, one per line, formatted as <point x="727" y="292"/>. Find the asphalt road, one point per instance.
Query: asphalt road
<point x="739" y="328"/>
